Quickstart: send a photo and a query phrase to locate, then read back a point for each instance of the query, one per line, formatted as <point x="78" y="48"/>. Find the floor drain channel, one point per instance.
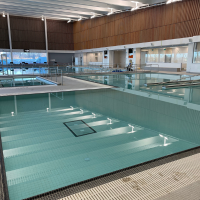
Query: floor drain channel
<point x="79" y="128"/>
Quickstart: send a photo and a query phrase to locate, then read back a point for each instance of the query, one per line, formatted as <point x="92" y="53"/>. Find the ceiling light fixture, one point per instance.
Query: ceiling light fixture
<point x="42" y="18"/>
<point x="93" y="16"/>
<point x="80" y="18"/>
<point x="111" y="11"/>
<point x="135" y="8"/>
<point x="169" y="1"/>
<point x="69" y="20"/>
<point x="4" y="15"/>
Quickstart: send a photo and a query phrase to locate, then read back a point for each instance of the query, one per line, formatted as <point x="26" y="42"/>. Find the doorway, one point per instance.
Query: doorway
<point x="3" y="59"/>
<point x="119" y="58"/>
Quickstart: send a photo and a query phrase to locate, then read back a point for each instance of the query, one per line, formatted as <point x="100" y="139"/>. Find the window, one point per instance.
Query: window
<point x="177" y="54"/>
<point x="19" y="57"/>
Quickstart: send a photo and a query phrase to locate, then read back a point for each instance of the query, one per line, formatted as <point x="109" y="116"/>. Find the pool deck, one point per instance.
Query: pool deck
<point x="69" y="84"/>
<point x="178" y="179"/>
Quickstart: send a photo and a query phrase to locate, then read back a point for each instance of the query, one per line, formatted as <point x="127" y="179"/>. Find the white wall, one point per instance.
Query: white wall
<point x="191" y="67"/>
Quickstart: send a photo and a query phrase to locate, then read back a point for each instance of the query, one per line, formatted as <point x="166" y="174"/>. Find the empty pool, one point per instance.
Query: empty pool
<point x="54" y="140"/>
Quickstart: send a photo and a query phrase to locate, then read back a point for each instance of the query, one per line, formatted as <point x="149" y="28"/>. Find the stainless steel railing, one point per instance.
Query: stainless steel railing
<point x="145" y="67"/>
<point x="55" y="72"/>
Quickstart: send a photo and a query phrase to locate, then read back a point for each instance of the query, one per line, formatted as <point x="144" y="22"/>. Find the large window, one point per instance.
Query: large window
<point x="196" y="56"/>
<point x="19" y="57"/>
<point x="167" y="55"/>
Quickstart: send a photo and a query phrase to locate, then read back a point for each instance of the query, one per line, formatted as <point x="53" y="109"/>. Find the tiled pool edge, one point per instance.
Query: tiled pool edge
<point x="4" y="195"/>
<point x="94" y="182"/>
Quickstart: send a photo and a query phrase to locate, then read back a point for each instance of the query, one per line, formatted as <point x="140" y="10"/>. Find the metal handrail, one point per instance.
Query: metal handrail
<point x="56" y="72"/>
<point x="88" y="69"/>
<point x="142" y="67"/>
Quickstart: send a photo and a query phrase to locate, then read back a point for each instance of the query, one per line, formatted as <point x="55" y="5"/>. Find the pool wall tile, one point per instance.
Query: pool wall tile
<point x="8" y="107"/>
<point x="169" y="118"/>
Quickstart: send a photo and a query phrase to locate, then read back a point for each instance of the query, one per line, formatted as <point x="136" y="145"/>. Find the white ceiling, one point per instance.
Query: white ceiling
<point x="65" y="9"/>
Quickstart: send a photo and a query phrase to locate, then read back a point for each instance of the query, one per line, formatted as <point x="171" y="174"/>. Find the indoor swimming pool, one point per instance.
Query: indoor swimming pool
<point x="134" y="83"/>
<point x="42" y="70"/>
<point x="21" y="82"/>
<point x="23" y="70"/>
<point x="91" y="69"/>
<point x="57" y="139"/>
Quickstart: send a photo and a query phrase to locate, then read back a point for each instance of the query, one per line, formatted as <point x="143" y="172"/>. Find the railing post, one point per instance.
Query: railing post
<point x="62" y="76"/>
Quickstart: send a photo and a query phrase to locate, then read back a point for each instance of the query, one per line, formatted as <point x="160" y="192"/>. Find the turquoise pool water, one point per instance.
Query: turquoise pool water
<point x="57" y="139"/>
<point x="22" y="70"/>
<point x="20" y="82"/>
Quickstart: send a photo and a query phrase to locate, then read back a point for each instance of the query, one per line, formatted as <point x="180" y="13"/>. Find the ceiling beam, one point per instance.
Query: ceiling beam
<point x="64" y="9"/>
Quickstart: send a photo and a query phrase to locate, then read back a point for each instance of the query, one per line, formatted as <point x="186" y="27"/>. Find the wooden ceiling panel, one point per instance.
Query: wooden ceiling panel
<point x="177" y="20"/>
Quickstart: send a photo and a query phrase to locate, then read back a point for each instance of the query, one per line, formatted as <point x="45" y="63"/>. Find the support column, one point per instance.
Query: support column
<point x="191" y="67"/>
<point x="15" y="101"/>
<point x="9" y="34"/>
<point x="46" y="39"/>
<point x="138" y="56"/>
<point x="49" y="101"/>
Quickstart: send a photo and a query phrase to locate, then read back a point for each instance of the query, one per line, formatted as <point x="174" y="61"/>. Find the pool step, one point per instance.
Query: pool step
<point x="35" y="114"/>
<point x="37" y="122"/>
<point x="172" y="82"/>
<point x="39" y="126"/>
<point x="60" y="137"/>
<point x="109" y="143"/>
<point x="72" y="172"/>
<point x="103" y="154"/>
<point x="189" y="84"/>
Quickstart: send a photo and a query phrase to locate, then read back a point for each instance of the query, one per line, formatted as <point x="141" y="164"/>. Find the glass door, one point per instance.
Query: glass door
<point x="3" y="59"/>
<point x="168" y="58"/>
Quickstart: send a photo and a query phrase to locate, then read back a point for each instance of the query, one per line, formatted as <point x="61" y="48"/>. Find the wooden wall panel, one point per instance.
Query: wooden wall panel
<point x="60" y="35"/>
<point x="176" y="20"/>
<point x="27" y="33"/>
<point x="4" y="39"/>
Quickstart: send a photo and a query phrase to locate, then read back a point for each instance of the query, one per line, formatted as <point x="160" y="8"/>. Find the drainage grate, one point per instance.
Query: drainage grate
<point x="79" y="128"/>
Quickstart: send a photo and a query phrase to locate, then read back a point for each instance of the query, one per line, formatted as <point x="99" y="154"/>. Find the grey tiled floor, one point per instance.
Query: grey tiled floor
<point x="189" y="192"/>
<point x="176" y="180"/>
